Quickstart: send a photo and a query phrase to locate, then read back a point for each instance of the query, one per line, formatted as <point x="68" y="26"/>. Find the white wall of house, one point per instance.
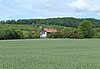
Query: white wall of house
<point x="43" y="34"/>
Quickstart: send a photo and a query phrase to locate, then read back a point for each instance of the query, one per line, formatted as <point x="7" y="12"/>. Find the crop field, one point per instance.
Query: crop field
<point x="50" y="54"/>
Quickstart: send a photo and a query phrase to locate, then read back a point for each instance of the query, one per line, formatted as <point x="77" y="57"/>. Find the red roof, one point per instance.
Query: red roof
<point x="50" y="30"/>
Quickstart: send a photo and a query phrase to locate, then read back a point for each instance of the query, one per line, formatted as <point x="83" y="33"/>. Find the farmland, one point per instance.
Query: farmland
<point x="50" y="54"/>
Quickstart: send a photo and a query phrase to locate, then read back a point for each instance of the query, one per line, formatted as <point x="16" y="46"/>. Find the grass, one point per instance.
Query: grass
<point x="50" y="54"/>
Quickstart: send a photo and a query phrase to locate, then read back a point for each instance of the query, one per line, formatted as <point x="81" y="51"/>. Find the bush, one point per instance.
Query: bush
<point x="31" y="35"/>
<point x="54" y="35"/>
<point x="10" y="34"/>
<point x="97" y="33"/>
<point x="19" y="34"/>
<point x="65" y="32"/>
<point x="75" y="34"/>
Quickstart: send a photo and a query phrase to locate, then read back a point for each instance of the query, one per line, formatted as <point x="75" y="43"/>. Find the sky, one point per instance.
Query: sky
<point x="26" y="9"/>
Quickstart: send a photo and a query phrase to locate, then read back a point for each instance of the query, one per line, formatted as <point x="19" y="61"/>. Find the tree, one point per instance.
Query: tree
<point x="19" y="34"/>
<point x="97" y="32"/>
<point x="66" y="32"/>
<point x="10" y="34"/>
<point x="85" y="29"/>
<point x="74" y="34"/>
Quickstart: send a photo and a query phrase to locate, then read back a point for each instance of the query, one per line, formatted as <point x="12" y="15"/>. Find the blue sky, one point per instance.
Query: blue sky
<point x="21" y="9"/>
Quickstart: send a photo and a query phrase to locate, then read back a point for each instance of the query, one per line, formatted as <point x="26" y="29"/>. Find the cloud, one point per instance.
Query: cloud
<point x="30" y="4"/>
<point x="94" y="8"/>
<point x="82" y="6"/>
<point x="40" y="5"/>
<point x="13" y="9"/>
<point x="26" y="8"/>
<point x="78" y="5"/>
<point x="47" y="8"/>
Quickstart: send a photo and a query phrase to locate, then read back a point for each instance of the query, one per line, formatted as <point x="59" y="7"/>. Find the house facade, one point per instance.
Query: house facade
<point x="44" y="32"/>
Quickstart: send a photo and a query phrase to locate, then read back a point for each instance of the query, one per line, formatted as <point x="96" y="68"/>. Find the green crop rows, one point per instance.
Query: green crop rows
<point x="50" y="54"/>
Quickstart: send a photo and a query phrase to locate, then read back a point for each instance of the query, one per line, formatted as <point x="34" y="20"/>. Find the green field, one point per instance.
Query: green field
<point x="50" y="54"/>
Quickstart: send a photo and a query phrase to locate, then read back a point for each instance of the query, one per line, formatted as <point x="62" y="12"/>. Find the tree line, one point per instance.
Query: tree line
<point x="85" y="29"/>
<point x="67" y="22"/>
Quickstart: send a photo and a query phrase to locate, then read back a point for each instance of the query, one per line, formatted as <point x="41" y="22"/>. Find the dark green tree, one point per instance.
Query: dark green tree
<point x="85" y="29"/>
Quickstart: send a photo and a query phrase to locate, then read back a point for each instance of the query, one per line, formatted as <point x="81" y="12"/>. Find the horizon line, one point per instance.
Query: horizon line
<point x="48" y="18"/>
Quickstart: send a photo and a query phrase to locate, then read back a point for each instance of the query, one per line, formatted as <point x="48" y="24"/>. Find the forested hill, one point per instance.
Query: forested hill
<point x="68" y="21"/>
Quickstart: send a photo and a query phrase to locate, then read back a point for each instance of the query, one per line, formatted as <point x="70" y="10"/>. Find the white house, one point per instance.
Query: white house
<point x="44" y="32"/>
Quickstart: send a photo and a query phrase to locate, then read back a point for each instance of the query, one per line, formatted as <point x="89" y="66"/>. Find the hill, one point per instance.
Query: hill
<point x="67" y="22"/>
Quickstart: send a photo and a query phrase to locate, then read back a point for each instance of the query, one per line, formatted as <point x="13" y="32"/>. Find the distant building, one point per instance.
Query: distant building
<point x="44" y="32"/>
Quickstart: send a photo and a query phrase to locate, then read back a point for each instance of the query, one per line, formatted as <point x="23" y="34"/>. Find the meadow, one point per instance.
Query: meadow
<point x="50" y="54"/>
